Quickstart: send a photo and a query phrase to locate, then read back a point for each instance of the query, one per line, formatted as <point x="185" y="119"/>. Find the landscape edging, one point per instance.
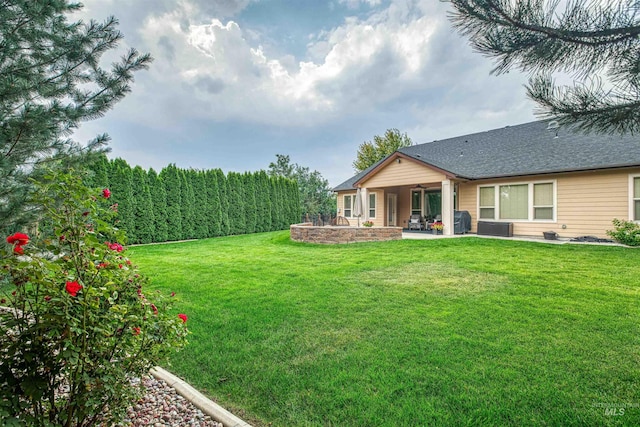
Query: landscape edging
<point x="207" y="406"/>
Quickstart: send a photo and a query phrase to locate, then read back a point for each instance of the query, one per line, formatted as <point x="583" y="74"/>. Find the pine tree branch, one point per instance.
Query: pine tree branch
<point x="538" y="38"/>
<point x="587" y="107"/>
<point x="586" y="38"/>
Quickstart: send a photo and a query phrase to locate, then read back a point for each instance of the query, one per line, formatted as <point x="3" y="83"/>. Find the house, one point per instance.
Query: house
<point x="538" y="176"/>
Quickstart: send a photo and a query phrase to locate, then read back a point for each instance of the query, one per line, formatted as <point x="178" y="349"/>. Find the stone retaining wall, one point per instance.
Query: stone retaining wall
<point x="306" y="232"/>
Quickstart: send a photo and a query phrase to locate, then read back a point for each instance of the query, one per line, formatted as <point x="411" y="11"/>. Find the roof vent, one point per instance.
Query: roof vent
<point x="553" y="124"/>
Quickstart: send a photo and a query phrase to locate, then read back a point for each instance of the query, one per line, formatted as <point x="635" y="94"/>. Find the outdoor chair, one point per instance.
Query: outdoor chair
<point x="415" y="222"/>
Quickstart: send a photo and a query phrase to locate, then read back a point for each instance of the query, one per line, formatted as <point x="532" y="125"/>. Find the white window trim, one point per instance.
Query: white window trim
<point x="487" y="207"/>
<point x="352" y="196"/>
<point x="411" y="191"/>
<point x="530" y="208"/>
<point x="632" y="200"/>
<point x="375" y="206"/>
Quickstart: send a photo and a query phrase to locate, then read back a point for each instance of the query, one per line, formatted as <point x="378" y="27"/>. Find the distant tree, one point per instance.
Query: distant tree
<point x="50" y="82"/>
<point x="159" y="198"/>
<point x="589" y="40"/>
<point x="170" y="176"/>
<point x="282" y="167"/>
<point x="371" y="152"/>
<point x="315" y="195"/>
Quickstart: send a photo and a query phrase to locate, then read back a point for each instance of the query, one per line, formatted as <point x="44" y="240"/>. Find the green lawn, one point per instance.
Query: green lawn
<point x="436" y="332"/>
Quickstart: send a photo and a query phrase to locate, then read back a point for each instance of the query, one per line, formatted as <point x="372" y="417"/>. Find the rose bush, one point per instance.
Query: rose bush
<point x="79" y="326"/>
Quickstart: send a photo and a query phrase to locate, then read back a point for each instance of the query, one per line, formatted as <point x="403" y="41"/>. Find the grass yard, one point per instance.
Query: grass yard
<point x="408" y="333"/>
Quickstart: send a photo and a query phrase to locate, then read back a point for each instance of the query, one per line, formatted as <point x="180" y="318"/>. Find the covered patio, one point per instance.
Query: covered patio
<point x="399" y="189"/>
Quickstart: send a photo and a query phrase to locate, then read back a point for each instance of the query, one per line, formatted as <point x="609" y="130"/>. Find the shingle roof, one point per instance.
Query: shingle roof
<point x="525" y="149"/>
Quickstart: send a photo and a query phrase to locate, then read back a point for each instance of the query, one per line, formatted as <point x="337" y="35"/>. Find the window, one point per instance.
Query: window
<point x="487" y="202"/>
<point x="432" y="203"/>
<point x="347" y="206"/>
<point x="372" y="205"/>
<point x="520" y="202"/>
<point x="636" y="198"/>
<point x="543" y="201"/>
<point x="416" y="198"/>
<point x="514" y="203"/>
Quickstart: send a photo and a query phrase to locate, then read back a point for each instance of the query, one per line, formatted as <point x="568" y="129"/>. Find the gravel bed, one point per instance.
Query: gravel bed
<point x="162" y="406"/>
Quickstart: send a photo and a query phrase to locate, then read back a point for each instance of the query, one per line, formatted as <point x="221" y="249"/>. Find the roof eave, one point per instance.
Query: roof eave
<point x="398" y="155"/>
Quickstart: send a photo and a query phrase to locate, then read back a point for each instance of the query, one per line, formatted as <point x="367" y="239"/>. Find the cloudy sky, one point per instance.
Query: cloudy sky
<point x="235" y="82"/>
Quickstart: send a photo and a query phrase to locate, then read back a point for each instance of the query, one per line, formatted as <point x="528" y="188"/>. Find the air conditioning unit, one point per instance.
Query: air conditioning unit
<point x="502" y="229"/>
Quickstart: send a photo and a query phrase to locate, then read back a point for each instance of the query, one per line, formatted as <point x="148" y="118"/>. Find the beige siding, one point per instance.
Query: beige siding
<point x="406" y="172"/>
<point x="586" y="202"/>
<point x="404" y="207"/>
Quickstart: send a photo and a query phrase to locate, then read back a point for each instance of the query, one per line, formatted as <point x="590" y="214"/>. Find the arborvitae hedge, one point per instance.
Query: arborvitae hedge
<point x="182" y="204"/>
<point x="201" y="205"/>
<point x="170" y="175"/>
<point x="250" y="208"/>
<point x="213" y="207"/>
<point x="144" y="221"/>
<point x="120" y="183"/>
<point x="188" y="206"/>
<point x="159" y="198"/>
<point x="223" y="188"/>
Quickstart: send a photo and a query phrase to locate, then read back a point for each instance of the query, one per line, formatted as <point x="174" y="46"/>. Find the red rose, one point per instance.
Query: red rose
<point x="115" y="246"/>
<point x="106" y="193"/>
<point x="183" y="317"/>
<point x="73" y="287"/>
<point x="19" y="239"/>
<point x="136" y="330"/>
<point x="17" y="249"/>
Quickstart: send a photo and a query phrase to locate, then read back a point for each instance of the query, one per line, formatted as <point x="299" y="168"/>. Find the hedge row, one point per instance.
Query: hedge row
<point x="179" y="204"/>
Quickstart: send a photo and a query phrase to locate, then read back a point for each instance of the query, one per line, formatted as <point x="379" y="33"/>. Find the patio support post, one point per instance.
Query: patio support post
<point x="447" y="207"/>
<point x="365" y="205"/>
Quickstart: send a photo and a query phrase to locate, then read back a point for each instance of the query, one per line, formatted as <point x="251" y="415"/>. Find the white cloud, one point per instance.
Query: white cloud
<point x="360" y="64"/>
<point x="354" y="4"/>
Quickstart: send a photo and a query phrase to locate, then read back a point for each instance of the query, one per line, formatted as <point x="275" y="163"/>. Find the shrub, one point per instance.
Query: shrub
<point x="79" y="326"/>
<point x="625" y="232"/>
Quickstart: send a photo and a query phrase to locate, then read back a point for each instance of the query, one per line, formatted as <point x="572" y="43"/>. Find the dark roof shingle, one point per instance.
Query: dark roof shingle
<point x="525" y="149"/>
